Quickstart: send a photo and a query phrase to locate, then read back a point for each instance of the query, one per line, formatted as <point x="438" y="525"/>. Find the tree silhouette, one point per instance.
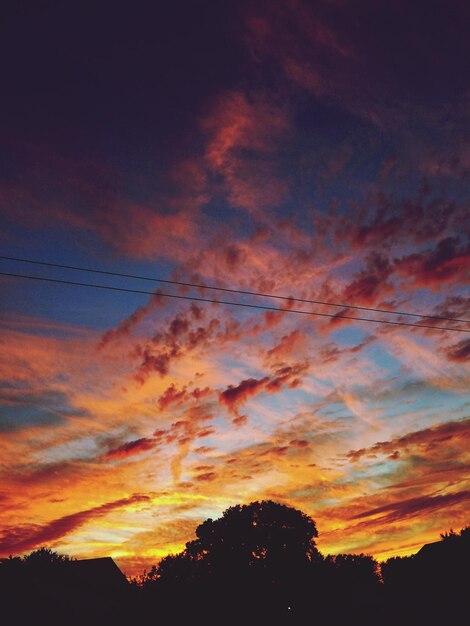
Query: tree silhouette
<point x="260" y="553"/>
<point x="354" y="570"/>
<point x="266" y="533"/>
<point x="46" y="559"/>
<point x="261" y="536"/>
<point x="398" y="572"/>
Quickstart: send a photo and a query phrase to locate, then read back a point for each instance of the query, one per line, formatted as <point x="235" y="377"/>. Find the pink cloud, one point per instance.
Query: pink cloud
<point x="459" y="352"/>
<point x="243" y="136"/>
<point x="370" y="284"/>
<point x="427" y="441"/>
<point x="448" y="262"/>
<point x="235" y="396"/>
<point x="288" y="345"/>
<point x="131" y="448"/>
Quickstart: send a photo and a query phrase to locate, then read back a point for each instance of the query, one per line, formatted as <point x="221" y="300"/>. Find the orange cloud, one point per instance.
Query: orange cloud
<point x="207" y="476"/>
<point x="174" y="396"/>
<point x="22" y="538"/>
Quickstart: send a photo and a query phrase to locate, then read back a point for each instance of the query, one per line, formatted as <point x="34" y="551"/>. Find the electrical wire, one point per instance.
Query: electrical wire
<point x="237" y="291"/>
<point x="230" y="303"/>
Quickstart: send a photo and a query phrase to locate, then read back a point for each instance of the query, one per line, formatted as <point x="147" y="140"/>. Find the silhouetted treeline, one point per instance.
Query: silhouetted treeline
<point x="257" y="564"/>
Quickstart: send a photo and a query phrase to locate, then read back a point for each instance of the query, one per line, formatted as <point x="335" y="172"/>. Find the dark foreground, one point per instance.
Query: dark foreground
<point x="430" y="588"/>
<point x="257" y="564"/>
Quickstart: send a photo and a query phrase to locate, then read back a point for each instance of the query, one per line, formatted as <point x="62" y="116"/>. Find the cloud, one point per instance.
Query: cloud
<point x="130" y="448"/>
<point x="235" y="396"/>
<point x="426" y="441"/>
<point x="153" y="363"/>
<point x="21" y="538"/>
<point x="174" y="396"/>
<point x="286" y="375"/>
<point x="24" y="414"/>
<point x="288" y="346"/>
<point x="331" y="352"/>
<point x="203" y="449"/>
<point x="456" y="306"/>
<point x="404" y="509"/>
<point x="82" y="195"/>
<point x="185" y="332"/>
<point x="275" y="451"/>
<point x="370" y="284"/>
<point x="171" y="396"/>
<point x="243" y="134"/>
<point x="459" y="352"/>
<point x="183" y="433"/>
<point x="125" y="327"/>
<point x="194" y="330"/>
<point x="299" y="443"/>
<point x="165" y="537"/>
<point x="22" y="408"/>
<point x="448" y="262"/>
<point x="335" y="51"/>
<point x="206" y="476"/>
<point x="387" y="219"/>
<point x="47" y="473"/>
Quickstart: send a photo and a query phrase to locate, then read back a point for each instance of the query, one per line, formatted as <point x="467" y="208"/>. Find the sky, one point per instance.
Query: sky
<point x="313" y="150"/>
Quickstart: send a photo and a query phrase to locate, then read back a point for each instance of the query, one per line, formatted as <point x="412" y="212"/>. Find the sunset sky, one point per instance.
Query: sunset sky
<point x="314" y="150"/>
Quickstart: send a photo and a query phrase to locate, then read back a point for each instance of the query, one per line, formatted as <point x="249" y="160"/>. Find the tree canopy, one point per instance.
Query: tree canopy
<point x="255" y="537"/>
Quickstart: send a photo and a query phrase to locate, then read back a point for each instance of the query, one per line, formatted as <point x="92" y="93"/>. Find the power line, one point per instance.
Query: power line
<point x="238" y="291"/>
<point x="230" y="303"/>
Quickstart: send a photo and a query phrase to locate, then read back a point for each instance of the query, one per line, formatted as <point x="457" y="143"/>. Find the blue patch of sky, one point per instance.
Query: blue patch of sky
<point x="361" y="471"/>
<point x="332" y="131"/>
<point x="82" y="449"/>
<point x="384" y="359"/>
<point x="34" y="409"/>
<point x="287" y="403"/>
<point x="89" y="307"/>
<point x="15" y="418"/>
<point x="334" y="411"/>
<point x="349" y="336"/>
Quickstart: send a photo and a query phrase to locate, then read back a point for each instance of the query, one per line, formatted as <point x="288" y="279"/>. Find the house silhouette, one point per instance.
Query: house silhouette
<point x="89" y="591"/>
<point x="100" y="575"/>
